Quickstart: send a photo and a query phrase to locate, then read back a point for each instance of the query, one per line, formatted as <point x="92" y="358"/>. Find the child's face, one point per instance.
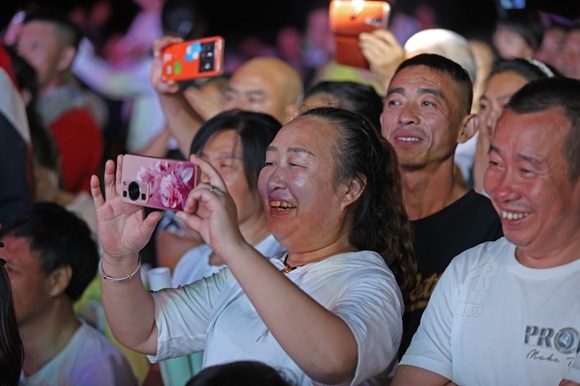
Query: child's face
<point x="510" y="44"/>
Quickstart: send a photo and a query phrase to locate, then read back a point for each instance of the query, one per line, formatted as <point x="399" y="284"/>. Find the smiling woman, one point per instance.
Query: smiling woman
<point x="234" y="142"/>
<point x="332" y="196"/>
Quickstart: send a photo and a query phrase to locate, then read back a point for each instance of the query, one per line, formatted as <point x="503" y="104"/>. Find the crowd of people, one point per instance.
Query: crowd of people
<point x="410" y="223"/>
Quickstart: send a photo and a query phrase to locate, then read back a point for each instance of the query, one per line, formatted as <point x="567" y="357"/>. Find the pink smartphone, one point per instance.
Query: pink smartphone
<point x="157" y="182"/>
<point x="348" y="19"/>
<point x="193" y="59"/>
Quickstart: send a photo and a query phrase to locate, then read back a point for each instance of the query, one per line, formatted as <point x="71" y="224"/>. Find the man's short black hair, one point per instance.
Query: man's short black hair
<point x="555" y="93"/>
<point x="447" y="66"/>
<point x="58" y="238"/>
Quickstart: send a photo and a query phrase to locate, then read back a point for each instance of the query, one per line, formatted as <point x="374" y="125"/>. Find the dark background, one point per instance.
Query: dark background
<point x="459" y="15"/>
<point x="264" y="17"/>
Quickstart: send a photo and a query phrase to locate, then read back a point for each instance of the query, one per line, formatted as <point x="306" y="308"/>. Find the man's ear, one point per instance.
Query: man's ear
<point x="66" y="58"/>
<point x="469" y="127"/>
<point x="59" y="280"/>
<point x="354" y="189"/>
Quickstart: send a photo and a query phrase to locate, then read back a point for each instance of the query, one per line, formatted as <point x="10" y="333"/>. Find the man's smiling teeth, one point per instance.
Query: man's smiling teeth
<point x="408" y="139"/>
<point x="513" y="216"/>
<point x="281" y="204"/>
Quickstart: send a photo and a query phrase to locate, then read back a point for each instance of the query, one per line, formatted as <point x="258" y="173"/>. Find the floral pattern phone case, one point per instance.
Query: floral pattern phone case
<point x="156" y="182"/>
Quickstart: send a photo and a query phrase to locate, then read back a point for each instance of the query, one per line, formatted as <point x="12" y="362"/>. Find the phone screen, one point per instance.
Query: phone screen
<point x="193" y="59"/>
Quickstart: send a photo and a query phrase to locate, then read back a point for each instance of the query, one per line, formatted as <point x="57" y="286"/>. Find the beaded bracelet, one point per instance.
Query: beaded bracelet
<point x="118" y="279"/>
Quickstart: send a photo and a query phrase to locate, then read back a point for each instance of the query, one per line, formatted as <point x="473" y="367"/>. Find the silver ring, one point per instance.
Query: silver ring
<point x="211" y="188"/>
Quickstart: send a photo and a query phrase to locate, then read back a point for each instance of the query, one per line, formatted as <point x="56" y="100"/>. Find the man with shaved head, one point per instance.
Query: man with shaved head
<point x="264" y="84"/>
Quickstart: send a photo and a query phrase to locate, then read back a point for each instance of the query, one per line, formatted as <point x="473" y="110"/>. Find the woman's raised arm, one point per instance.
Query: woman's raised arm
<point x="319" y="341"/>
<point x="123" y="231"/>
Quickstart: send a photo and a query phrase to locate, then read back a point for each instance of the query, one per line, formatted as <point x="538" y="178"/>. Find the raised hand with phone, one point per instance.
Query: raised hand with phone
<point x="182" y="119"/>
<point x="200" y="58"/>
<point x="362" y="38"/>
<point x="348" y="19"/>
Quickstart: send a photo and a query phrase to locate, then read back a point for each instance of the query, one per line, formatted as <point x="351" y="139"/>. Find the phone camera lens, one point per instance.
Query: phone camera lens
<point x="134" y="191"/>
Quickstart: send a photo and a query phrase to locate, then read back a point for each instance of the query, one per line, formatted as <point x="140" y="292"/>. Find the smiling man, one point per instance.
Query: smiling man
<point x="508" y="312"/>
<point x="426" y="114"/>
<point x="50" y="259"/>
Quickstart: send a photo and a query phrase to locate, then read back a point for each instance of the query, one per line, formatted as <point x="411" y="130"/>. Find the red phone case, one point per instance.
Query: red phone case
<point x="348" y="19"/>
<point x="193" y="59"/>
<point x="157" y="182"/>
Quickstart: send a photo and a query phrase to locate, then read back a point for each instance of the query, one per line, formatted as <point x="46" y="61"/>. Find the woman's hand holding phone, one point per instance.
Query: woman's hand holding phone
<point x="211" y="211"/>
<point x="123" y="228"/>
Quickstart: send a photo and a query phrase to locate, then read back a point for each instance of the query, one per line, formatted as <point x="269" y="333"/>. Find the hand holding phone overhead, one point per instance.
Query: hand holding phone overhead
<point x="193" y="59"/>
<point x="348" y="19"/>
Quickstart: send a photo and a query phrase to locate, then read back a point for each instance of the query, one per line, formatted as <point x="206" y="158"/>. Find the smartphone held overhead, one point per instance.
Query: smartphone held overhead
<point x="348" y="19"/>
<point x="157" y="183"/>
<point x="200" y="58"/>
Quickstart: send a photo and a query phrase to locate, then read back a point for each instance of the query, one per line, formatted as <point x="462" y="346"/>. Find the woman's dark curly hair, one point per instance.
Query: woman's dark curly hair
<point x="380" y="221"/>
